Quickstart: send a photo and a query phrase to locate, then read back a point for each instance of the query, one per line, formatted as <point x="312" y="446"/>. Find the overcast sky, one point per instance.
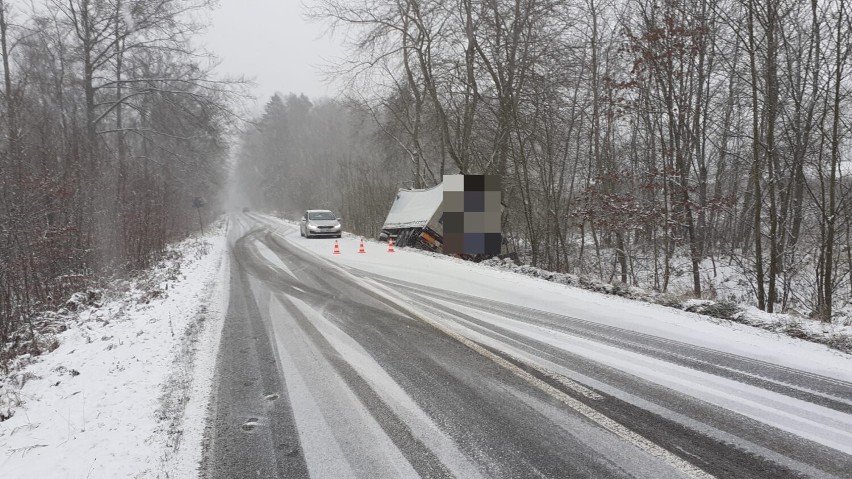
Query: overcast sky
<point x="272" y="42"/>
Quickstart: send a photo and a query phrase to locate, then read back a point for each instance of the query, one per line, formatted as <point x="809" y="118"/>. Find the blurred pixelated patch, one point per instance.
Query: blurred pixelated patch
<point x="472" y="210"/>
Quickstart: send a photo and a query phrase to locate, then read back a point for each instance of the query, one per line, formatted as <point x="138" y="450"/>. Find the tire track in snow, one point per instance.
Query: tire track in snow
<point x="824" y="391"/>
<point x="795" y="450"/>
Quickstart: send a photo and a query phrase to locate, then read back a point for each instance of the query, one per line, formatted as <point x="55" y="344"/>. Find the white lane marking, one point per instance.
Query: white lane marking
<point x="392" y="394"/>
<point x="614" y="427"/>
<point x="340" y="436"/>
<point x="818" y="423"/>
<point x="567" y="382"/>
<point x="484" y="307"/>
<point x="704" y="428"/>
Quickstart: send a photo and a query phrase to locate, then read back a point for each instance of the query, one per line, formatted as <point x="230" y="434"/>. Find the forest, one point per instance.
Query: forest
<point x="695" y="147"/>
<point x="113" y="142"/>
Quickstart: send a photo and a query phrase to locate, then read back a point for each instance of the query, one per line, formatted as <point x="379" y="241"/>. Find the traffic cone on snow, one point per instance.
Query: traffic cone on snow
<point x="361" y="249"/>
<point x="390" y="245"/>
<point x="336" y="247"/>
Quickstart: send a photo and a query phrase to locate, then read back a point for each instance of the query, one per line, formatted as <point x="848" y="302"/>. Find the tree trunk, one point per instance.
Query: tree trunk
<point x="756" y="171"/>
<point x="8" y="95"/>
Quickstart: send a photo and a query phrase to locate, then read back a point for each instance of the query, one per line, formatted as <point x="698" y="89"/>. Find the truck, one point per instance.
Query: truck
<point x="415" y="217"/>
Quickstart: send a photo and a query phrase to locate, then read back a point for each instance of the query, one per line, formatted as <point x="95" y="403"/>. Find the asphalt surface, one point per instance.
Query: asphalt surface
<point x="322" y="375"/>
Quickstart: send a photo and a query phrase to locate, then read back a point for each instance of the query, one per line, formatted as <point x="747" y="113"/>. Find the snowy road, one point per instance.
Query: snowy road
<point x="408" y="365"/>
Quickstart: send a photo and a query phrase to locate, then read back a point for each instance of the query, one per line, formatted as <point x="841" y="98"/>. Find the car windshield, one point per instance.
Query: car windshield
<point x="321" y="215"/>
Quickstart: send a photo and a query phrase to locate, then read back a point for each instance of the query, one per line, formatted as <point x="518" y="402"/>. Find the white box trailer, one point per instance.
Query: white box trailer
<point x="414" y="218"/>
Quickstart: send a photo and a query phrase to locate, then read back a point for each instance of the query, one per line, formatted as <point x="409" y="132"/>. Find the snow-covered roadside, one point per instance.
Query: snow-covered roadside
<point x="126" y="392"/>
<point x="837" y="334"/>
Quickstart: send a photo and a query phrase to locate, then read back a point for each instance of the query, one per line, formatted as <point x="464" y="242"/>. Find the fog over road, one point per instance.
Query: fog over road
<point x="333" y="371"/>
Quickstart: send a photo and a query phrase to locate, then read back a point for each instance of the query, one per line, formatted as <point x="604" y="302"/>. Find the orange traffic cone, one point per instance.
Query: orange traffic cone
<point x="361" y="249"/>
<point x="390" y="245"/>
<point x="336" y="247"/>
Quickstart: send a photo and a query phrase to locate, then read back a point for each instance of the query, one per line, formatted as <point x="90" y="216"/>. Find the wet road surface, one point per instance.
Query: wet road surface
<point x="325" y="372"/>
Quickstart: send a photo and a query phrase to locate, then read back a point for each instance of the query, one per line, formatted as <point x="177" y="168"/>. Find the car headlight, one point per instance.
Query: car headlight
<point x="313" y="227"/>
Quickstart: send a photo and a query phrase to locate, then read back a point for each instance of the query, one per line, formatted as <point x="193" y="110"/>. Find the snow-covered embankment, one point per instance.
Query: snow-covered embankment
<point x="125" y="394"/>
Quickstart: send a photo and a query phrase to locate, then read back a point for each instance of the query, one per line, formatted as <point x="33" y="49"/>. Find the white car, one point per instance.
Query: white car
<point x="319" y="223"/>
